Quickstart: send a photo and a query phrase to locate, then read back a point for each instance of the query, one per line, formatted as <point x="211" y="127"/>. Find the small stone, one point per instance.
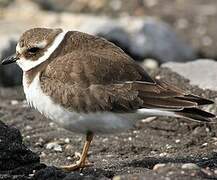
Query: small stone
<point x="205" y="158"/>
<point x="14" y="102"/>
<point x="69" y="148"/>
<point x="168" y="146"/>
<point x="67" y="140"/>
<point x="28" y="127"/>
<point x="40" y="142"/>
<point x="43" y="154"/>
<point x="177" y="141"/>
<point x="204" y="144"/>
<point x="117" y="178"/>
<point x="135" y="132"/>
<point x="27" y="137"/>
<point x="130" y="138"/>
<point x="55" y="146"/>
<point x="158" y="166"/>
<point x="109" y="155"/>
<point x="163" y="154"/>
<point x="158" y="77"/>
<point x="116" y="137"/>
<point x="207" y="130"/>
<point x="58" y="148"/>
<point x="190" y="166"/>
<point x="149" y="119"/>
<point x="69" y="158"/>
<point x="153" y="152"/>
<point x="105" y="140"/>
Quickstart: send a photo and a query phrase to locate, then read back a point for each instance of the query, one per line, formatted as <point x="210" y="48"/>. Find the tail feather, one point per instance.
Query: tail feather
<point x="196" y="99"/>
<point x="196" y="114"/>
<point x="164" y="99"/>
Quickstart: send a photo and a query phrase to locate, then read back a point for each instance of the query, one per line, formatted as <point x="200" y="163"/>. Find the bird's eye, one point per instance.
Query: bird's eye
<point x="33" y="50"/>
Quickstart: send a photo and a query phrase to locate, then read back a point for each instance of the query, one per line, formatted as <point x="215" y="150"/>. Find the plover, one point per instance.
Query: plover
<point x="88" y="85"/>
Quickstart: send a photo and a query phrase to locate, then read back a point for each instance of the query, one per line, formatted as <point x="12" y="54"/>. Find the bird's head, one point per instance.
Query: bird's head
<point x="35" y="46"/>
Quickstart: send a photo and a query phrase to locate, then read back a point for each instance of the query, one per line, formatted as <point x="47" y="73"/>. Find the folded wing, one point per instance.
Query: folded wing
<point x="92" y="82"/>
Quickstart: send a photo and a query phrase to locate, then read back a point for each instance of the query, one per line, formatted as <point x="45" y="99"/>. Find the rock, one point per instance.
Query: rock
<point x="9" y="75"/>
<point x="175" y="174"/>
<point x="190" y="166"/>
<point x="49" y="173"/>
<point x="71" y="6"/>
<point x="55" y="146"/>
<point x="116" y="35"/>
<point x="18" y="162"/>
<point x="157" y="40"/>
<point x="15" y="158"/>
<point x="52" y="173"/>
<point x="197" y="77"/>
<point x="158" y="166"/>
<point x="53" y="5"/>
<point x="201" y="73"/>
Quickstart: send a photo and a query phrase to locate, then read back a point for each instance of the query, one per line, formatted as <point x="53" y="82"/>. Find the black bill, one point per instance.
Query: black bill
<point x="9" y="60"/>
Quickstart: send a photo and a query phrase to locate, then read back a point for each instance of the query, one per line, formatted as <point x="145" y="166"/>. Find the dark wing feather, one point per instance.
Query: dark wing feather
<point x="197" y="99"/>
<point x="196" y="114"/>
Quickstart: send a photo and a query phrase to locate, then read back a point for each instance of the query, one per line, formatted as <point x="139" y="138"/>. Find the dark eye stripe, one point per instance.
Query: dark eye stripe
<point x="33" y="49"/>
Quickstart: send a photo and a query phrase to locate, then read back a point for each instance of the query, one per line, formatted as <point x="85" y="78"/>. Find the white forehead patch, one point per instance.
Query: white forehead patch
<point x="27" y="64"/>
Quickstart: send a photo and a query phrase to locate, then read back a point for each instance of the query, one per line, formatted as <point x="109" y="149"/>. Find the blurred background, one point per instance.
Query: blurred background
<point x="151" y="31"/>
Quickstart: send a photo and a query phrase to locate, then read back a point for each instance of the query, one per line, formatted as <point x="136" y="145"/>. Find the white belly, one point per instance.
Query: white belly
<point x="105" y="122"/>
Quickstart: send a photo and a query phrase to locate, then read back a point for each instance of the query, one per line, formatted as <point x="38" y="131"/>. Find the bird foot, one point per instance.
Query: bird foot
<point x="76" y="167"/>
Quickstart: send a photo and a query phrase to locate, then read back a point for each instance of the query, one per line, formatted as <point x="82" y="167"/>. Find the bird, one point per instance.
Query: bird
<point x="90" y="86"/>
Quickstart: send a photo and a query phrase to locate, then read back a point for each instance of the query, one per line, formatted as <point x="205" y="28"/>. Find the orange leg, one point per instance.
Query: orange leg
<point x="82" y="161"/>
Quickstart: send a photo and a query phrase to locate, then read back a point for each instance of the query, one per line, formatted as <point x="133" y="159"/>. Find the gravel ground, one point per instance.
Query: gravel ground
<point x="168" y="141"/>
